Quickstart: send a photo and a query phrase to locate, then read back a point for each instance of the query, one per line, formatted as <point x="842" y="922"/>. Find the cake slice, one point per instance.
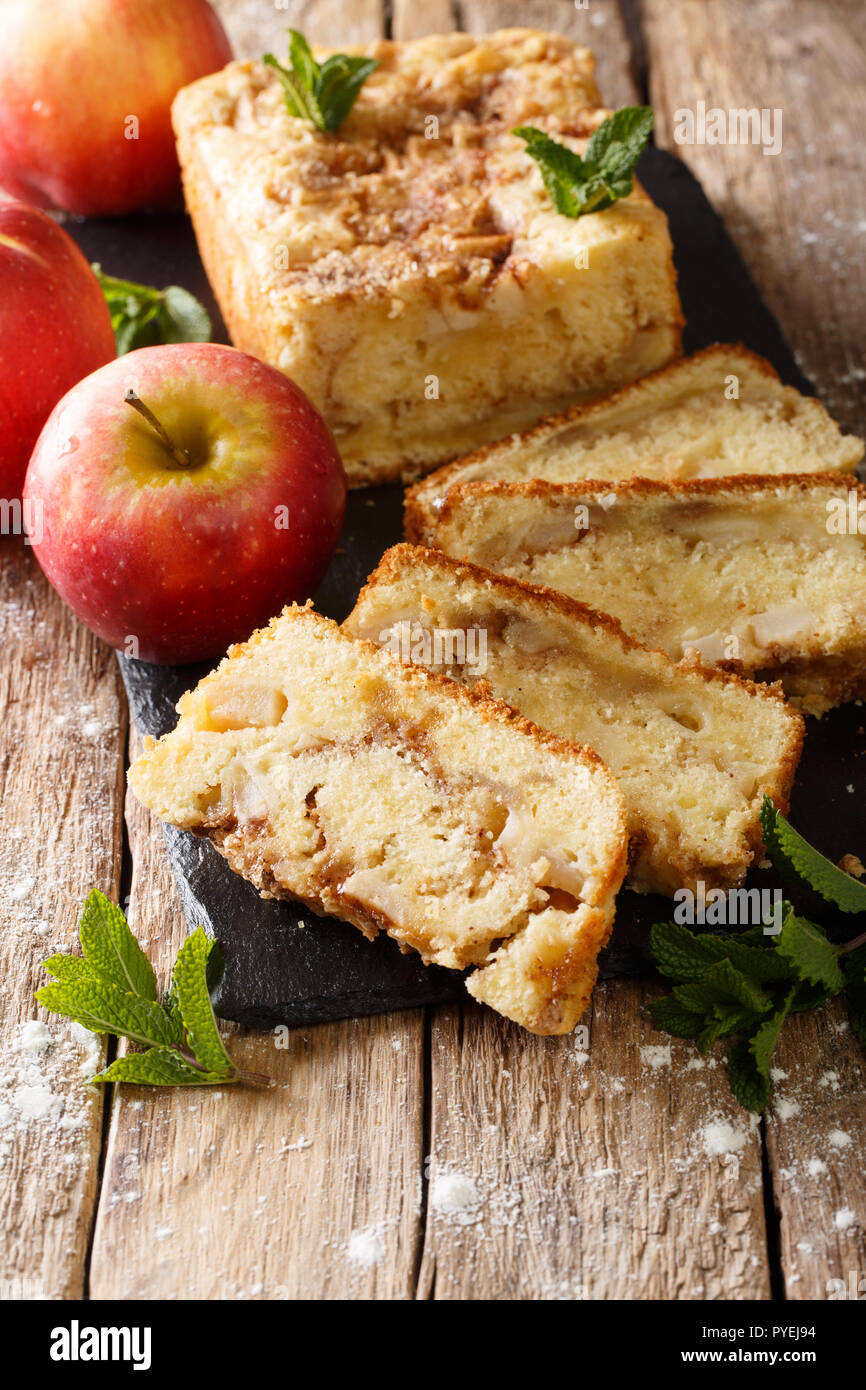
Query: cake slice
<point x="326" y="771"/>
<point x="693" y="750"/>
<point x="678" y="423"/>
<point x="409" y="271"/>
<point x="764" y="575"/>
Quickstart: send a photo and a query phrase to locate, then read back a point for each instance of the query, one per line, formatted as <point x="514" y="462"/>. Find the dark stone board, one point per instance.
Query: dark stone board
<point x="278" y="973"/>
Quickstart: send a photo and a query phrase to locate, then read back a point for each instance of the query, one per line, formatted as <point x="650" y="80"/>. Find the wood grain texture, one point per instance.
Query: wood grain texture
<point x="799" y="217"/>
<point x="618" y="1170"/>
<point x="62" y="717"/>
<point x="255" y="27"/>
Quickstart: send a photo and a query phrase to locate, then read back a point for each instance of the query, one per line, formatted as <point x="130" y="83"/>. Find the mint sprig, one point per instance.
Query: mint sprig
<point x="749" y="983"/>
<point x="604" y="173"/>
<point x="142" y="316"/>
<point x="111" y="988"/>
<point x="794" y="856"/>
<point x="323" y="93"/>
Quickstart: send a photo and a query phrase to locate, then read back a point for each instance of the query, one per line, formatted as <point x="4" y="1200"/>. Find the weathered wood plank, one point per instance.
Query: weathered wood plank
<point x="799" y="219"/>
<point x="618" y="1170"/>
<point x="62" y="717"/>
<point x="308" y="1190"/>
<point x="409" y="20"/>
<point x="599" y="25"/>
<point x="259" y="26"/>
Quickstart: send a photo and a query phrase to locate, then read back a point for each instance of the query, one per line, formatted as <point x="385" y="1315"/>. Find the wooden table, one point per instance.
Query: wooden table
<point x="591" y="1172"/>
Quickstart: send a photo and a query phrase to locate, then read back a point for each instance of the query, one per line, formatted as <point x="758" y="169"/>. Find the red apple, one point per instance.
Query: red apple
<point x="86" y="88"/>
<point x="174" y="535"/>
<point x="54" y="326"/>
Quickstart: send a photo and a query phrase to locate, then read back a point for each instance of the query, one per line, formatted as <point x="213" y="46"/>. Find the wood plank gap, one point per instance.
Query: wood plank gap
<point x="772" y="1222"/>
<point x="425" y="1151"/>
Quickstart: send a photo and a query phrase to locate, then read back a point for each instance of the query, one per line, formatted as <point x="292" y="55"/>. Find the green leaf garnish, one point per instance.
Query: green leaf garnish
<point x="815" y="959"/>
<point x="750" y="982"/>
<point x="112" y="988"/>
<point x="142" y="316"/>
<point x="790" y="852"/>
<point x="323" y="93"/>
<point x="593" y="181"/>
<point x="191" y="997"/>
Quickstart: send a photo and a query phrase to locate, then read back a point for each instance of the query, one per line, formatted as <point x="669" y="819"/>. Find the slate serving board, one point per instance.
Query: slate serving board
<point x="276" y="973"/>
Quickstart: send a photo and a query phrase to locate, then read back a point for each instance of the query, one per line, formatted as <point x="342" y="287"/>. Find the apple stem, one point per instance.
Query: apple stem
<point x="180" y="457"/>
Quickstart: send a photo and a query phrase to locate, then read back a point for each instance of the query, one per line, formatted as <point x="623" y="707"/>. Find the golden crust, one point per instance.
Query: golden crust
<point x="654" y="487"/>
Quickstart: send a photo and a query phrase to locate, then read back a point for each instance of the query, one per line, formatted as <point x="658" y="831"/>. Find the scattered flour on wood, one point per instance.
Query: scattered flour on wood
<point x="454" y="1194"/>
<point x="722" y="1137"/>
<point x="656" y="1055"/>
<point x="839" y="1139"/>
<point x="367" y="1248"/>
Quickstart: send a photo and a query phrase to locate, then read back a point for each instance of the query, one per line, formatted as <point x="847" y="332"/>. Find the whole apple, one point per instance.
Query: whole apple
<point x="86" y="88"/>
<point x="54" y="326"/>
<point x="182" y="495"/>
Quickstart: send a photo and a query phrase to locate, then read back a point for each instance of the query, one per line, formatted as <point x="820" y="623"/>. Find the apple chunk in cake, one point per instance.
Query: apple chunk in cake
<point x="409" y="271"/>
<point x="325" y="771"/>
<point x="693" y="751"/>
<point x="766" y="576"/>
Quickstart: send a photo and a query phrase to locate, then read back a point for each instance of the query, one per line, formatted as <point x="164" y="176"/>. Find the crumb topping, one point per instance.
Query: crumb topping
<point x="406" y="189"/>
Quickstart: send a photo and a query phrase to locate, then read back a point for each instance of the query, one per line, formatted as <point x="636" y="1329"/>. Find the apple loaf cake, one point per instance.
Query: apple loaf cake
<point x="684" y="421"/>
<point x="409" y="271"/>
<point x="693" y="749"/>
<point x="764" y="575"/>
<point x="326" y="771"/>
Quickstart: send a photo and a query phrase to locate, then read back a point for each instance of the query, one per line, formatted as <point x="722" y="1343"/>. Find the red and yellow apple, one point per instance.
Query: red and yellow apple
<point x="86" y="88"/>
<point x="183" y="494"/>
<point x="54" y="326"/>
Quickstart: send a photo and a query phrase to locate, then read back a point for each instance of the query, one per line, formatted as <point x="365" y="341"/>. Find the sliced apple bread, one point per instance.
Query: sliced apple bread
<point x="326" y="771"/>
<point x="693" y="750"/>
<point x="764" y="575"/>
<point x="684" y="421"/>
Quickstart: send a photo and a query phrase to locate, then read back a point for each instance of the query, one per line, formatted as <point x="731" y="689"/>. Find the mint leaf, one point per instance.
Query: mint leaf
<point x="767" y="1035"/>
<point x="723" y="1019"/>
<point x="112" y="989"/>
<point x="679" y="952"/>
<point x="110" y="948"/>
<point x="322" y="93"/>
<point x="671" y="1016"/>
<point x="789" y="851"/>
<point x="159" y="1066"/>
<point x="684" y="955"/>
<point x="603" y="174"/>
<point x="103" y="1008"/>
<point x="615" y="148"/>
<point x="70" y="969"/>
<point x="748" y="1083"/>
<point x="182" y="318"/>
<point x="814" y="958"/>
<point x="722" y="983"/>
<point x="190" y="991"/>
<point x="749" y="1062"/>
<point x="142" y="316"/>
<point x="341" y="78"/>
